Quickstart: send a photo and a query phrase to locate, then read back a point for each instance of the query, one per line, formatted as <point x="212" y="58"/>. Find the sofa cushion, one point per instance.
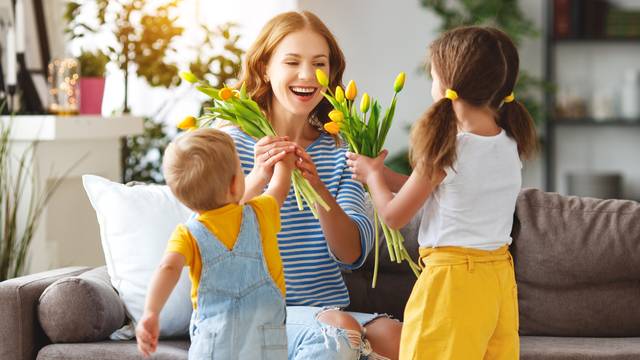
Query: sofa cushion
<point x="568" y="348"/>
<point x="577" y="265"/>
<point x="81" y="308"/>
<point x="114" y="350"/>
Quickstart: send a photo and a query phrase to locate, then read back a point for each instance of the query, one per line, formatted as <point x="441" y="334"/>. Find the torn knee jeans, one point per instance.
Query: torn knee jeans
<point x="310" y="338"/>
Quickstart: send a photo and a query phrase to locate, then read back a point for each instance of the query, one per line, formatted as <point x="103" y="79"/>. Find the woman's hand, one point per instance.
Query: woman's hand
<point x="308" y="168"/>
<point x="363" y="167"/>
<point x="267" y="152"/>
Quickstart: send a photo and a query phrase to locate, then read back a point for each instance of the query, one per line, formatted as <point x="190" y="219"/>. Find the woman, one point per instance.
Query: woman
<point x="279" y="74"/>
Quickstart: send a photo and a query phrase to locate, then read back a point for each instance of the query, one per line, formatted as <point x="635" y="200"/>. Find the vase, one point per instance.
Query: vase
<point x="91" y="92"/>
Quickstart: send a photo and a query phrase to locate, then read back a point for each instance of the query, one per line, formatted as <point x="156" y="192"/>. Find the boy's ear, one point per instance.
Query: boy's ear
<point x="233" y="189"/>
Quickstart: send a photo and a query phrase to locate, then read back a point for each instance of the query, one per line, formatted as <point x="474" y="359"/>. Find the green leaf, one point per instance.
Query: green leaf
<point x="386" y="123"/>
<point x="209" y="91"/>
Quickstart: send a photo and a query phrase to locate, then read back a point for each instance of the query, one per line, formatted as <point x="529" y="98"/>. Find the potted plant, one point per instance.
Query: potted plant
<point x="22" y="202"/>
<point x="92" y="79"/>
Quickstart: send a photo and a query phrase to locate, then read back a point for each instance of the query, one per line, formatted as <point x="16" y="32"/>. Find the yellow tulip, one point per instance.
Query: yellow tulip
<point x="188" y="76"/>
<point x="336" y="116"/>
<point x="399" y="83"/>
<point x="187" y="123"/>
<point x="322" y="78"/>
<point x="332" y="127"/>
<point x="352" y="90"/>
<point x="339" y="94"/>
<point x="225" y="93"/>
<point x="364" y="103"/>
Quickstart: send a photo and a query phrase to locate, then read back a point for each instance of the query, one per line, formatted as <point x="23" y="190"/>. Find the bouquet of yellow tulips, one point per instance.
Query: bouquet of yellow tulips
<point x="365" y="131"/>
<point x="237" y="107"/>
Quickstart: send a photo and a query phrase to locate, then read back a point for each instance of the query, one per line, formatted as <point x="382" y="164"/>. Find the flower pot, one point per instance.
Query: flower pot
<point x="91" y="92"/>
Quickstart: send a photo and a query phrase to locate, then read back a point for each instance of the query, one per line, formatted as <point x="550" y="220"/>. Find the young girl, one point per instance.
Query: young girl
<point x="466" y="178"/>
<point x="279" y="74"/>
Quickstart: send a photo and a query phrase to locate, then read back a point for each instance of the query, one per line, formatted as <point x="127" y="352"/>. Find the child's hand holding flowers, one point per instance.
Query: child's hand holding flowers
<point x="365" y="168"/>
<point x="365" y="129"/>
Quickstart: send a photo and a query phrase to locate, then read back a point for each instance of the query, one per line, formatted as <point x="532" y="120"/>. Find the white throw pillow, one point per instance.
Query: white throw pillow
<point x="135" y="225"/>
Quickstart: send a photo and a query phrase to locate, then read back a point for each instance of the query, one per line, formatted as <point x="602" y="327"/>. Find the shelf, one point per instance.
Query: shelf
<point x="81" y="127"/>
<point x="613" y="122"/>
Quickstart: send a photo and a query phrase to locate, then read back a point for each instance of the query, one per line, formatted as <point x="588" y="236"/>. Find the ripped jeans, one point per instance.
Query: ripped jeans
<point x="309" y="338"/>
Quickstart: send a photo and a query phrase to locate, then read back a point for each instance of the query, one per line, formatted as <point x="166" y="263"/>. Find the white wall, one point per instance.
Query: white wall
<point x="380" y="38"/>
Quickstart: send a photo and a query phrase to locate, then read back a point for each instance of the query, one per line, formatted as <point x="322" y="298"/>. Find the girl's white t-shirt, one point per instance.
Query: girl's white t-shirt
<point x="473" y="207"/>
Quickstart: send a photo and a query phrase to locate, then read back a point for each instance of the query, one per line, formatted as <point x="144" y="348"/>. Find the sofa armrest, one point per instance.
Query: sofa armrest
<point x="21" y="336"/>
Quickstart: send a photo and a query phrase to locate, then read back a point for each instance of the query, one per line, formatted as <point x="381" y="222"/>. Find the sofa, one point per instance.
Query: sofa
<point x="577" y="263"/>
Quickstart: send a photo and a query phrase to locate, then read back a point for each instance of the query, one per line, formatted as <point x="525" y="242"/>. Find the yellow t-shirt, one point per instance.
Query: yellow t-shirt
<point x="224" y="223"/>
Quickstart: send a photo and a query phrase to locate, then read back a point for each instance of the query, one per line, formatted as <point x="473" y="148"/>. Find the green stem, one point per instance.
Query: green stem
<point x="389" y="240"/>
<point x="376" y="262"/>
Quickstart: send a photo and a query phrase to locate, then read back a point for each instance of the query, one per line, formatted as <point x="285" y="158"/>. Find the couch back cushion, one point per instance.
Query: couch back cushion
<point x="577" y="265"/>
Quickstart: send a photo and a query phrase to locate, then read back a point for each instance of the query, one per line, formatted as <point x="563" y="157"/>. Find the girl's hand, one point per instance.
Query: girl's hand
<point x="308" y="168"/>
<point x="363" y="167"/>
<point x="147" y="333"/>
<point x="267" y="152"/>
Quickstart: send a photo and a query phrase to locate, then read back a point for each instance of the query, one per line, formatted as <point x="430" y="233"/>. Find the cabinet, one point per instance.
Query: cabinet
<point x="590" y="135"/>
<point x="68" y="147"/>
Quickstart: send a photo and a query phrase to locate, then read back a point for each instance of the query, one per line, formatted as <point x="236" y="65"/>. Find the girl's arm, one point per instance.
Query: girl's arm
<point x="394" y="180"/>
<point x="396" y="211"/>
<point x="162" y="283"/>
<point x="340" y="230"/>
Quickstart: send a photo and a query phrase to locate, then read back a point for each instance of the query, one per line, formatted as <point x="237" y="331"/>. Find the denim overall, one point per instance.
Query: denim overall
<point x="241" y="313"/>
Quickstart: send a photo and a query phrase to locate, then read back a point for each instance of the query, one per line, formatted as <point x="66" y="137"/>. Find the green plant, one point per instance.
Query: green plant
<point x="93" y="64"/>
<point x="145" y="39"/>
<point x="19" y="196"/>
<point x="142" y="36"/>
<point x="503" y="14"/>
<point x="143" y="160"/>
<point x="218" y="60"/>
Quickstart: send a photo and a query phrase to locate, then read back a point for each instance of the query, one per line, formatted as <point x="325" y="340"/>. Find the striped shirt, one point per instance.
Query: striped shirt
<point x="312" y="273"/>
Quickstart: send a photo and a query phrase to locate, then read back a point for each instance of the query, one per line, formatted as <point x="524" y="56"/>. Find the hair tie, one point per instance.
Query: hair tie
<point x="510" y="98"/>
<point x="451" y="94"/>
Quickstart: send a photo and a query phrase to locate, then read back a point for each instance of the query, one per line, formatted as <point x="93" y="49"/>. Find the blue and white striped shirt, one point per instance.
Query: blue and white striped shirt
<point x="311" y="271"/>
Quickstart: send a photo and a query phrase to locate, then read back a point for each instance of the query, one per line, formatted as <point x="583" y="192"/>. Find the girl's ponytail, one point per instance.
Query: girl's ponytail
<point x="517" y="122"/>
<point x="433" y="138"/>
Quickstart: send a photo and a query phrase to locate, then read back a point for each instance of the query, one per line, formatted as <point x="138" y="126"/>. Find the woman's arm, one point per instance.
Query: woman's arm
<point x="394" y="180"/>
<point x="342" y="231"/>
<point x="396" y="211"/>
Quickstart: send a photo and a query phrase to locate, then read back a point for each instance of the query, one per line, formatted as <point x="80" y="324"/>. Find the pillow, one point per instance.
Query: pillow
<point x="135" y="225"/>
<point x="82" y="308"/>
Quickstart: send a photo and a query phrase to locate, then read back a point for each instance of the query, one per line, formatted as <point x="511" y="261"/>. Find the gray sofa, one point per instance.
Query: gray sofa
<point x="577" y="266"/>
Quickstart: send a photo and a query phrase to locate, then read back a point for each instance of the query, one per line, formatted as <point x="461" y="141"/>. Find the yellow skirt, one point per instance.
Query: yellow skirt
<point x="464" y="306"/>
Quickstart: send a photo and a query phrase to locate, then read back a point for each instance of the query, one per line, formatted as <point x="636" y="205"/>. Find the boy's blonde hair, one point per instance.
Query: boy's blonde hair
<point x="199" y="167"/>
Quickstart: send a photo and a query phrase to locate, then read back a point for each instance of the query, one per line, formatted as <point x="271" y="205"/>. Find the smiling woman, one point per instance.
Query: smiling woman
<point x="279" y="74"/>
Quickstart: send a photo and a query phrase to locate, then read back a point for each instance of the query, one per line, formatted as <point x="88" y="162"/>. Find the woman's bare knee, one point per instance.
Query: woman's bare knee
<point x="384" y="336"/>
<point x="340" y="320"/>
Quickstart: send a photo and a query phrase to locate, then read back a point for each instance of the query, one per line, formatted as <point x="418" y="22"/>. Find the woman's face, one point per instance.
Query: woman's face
<point x="291" y="71"/>
<point x="437" y="92"/>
